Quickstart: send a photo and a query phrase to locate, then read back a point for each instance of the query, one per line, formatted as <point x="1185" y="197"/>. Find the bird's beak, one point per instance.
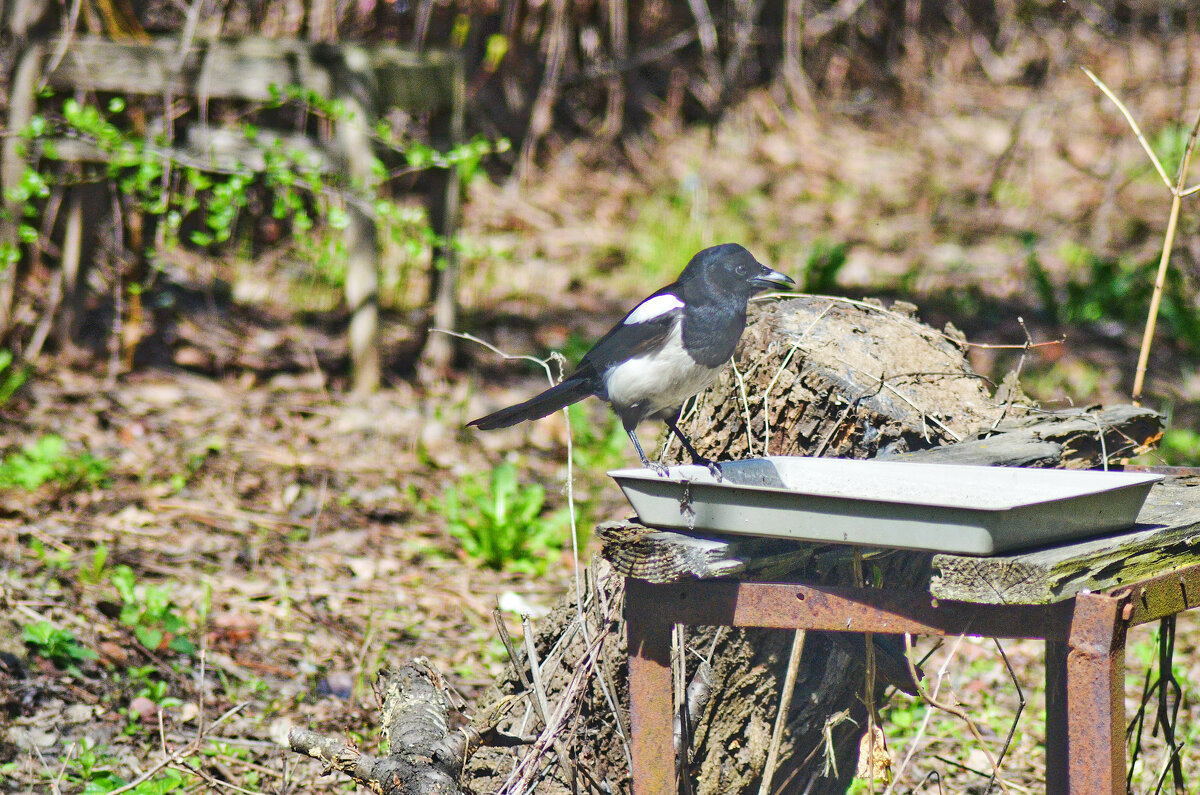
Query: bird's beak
<point x="769" y="278"/>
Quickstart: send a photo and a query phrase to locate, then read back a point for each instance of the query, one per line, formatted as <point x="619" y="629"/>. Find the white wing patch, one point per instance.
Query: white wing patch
<point x="652" y="308"/>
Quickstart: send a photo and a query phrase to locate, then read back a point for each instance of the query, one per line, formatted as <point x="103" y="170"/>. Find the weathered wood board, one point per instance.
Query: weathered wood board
<point x="1167" y="538"/>
<point x="253" y="69"/>
<point x="1072" y="439"/>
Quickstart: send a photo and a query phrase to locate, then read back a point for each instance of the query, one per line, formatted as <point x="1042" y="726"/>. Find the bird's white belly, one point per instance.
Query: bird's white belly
<point x="659" y="381"/>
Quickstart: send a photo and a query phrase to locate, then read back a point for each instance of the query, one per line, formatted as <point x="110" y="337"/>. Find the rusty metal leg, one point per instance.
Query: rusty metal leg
<point x="1095" y="674"/>
<point x="651" y="694"/>
<point x="1056" y="718"/>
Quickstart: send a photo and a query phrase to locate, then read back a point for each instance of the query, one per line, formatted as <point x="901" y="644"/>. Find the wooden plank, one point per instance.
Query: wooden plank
<point x="94" y="63"/>
<point x="1168" y="539"/>
<point x="247" y="69"/>
<point x="224" y="149"/>
<point x="662" y="556"/>
<point x="228" y="148"/>
<point x="419" y="83"/>
<point x="1069" y="439"/>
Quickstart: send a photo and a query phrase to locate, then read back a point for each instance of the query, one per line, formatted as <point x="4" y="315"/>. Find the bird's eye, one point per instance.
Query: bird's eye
<point x="740" y="270"/>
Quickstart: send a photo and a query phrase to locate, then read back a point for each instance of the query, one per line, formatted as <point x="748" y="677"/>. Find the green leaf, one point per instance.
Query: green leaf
<point x="181" y="645"/>
<point x="103" y="784"/>
<point x="150" y="638"/>
<point x="38" y="633"/>
<point x="502" y="523"/>
<point x="167" y="781"/>
<point x="338" y="218"/>
<point x="77" y="652"/>
<point x="497" y="48"/>
<point x="123" y="579"/>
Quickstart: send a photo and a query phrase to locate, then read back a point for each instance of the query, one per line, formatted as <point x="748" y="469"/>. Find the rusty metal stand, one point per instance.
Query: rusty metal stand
<point x="1085" y="656"/>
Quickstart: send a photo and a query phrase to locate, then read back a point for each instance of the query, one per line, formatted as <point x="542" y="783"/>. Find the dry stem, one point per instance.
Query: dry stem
<point x="1177" y="191"/>
<point x="785" y="702"/>
<point x="952" y="709"/>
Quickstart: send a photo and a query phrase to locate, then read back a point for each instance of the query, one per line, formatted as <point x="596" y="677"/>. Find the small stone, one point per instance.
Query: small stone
<point x="145" y="708"/>
<point x="78" y="713"/>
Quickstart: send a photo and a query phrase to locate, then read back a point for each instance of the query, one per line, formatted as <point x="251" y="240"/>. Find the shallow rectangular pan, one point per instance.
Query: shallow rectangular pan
<point x="970" y="510"/>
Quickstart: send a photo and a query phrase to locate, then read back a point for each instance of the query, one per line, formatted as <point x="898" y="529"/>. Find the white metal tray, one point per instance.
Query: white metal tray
<point x="970" y="510"/>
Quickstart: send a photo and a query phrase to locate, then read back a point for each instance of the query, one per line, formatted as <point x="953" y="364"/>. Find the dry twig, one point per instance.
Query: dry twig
<point x="180" y="753"/>
<point x="1178" y="192"/>
<point x="956" y="711"/>
<point x="785" y="701"/>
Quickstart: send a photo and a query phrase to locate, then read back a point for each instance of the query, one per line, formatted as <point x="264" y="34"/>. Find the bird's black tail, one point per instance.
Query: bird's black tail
<point x="564" y="394"/>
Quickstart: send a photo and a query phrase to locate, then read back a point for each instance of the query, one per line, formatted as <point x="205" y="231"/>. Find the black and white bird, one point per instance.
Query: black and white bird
<point x="667" y="349"/>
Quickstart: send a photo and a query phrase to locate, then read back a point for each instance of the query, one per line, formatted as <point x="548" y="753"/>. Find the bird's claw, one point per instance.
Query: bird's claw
<point x="713" y="467"/>
<point x="659" y="469"/>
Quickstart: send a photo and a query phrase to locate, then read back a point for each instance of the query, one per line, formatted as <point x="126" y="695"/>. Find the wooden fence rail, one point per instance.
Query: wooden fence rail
<point x="366" y="80"/>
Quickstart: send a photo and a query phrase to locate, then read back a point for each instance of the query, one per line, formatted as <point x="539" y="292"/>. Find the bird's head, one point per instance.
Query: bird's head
<point x="732" y="269"/>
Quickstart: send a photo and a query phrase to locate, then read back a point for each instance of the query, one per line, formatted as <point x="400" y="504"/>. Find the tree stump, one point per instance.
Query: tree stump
<point x="823" y="376"/>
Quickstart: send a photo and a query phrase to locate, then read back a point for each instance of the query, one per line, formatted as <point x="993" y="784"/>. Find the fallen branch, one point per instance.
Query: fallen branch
<point x="426" y="757"/>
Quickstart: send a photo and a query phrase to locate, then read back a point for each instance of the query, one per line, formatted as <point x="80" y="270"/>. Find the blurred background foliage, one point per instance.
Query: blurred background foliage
<point x="768" y="105"/>
<point x="539" y="69"/>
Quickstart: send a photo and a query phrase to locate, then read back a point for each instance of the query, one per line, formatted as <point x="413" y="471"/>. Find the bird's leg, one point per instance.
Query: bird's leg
<point x="698" y="459"/>
<point x="657" y="468"/>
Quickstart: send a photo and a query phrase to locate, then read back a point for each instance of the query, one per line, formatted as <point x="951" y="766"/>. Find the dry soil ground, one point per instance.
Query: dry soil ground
<point x="294" y="536"/>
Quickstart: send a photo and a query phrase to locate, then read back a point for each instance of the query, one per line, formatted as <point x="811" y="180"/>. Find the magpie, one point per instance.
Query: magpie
<point x="668" y="348"/>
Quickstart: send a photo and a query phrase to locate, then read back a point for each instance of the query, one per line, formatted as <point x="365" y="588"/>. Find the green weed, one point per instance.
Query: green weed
<point x="51" y="560"/>
<point x="93" y="769"/>
<point x="11" y="377"/>
<point x="598" y="446"/>
<point x="672" y="225"/>
<point x="206" y="208"/>
<point x="1104" y="289"/>
<point x="500" y="522"/>
<point x="822" y="267"/>
<point x="151" y="613"/>
<point x="61" y="564"/>
<point x="94" y="573"/>
<point x="1081" y="379"/>
<point x="1180" y="447"/>
<point x="197" y="456"/>
<point x="56" y="645"/>
<point x="47" y="460"/>
<point x="599" y="443"/>
<point x="93" y="772"/>
<point x="572" y="349"/>
<point x="1169" y="143"/>
<point x="158" y="691"/>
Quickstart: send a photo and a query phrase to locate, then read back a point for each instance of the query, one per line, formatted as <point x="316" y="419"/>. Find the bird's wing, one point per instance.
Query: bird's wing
<point x="645" y="327"/>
